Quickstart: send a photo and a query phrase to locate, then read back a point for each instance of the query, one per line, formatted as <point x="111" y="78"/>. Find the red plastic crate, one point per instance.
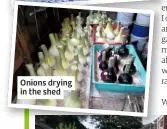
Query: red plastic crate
<point x="94" y="35"/>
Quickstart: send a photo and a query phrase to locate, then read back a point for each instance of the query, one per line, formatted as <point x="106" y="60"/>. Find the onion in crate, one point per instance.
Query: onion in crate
<point x="123" y="50"/>
<point x="100" y="56"/>
<point x="132" y="69"/>
<point x="109" y="52"/>
<point x="103" y="64"/>
<point x="111" y="75"/>
<point x="116" y="64"/>
<point x="103" y="76"/>
<point x="126" y="78"/>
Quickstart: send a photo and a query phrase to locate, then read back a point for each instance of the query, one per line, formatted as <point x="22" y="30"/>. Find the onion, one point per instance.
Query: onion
<point x="120" y="37"/>
<point x="47" y="69"/>
<point x="50" y="60"/>
<point x="41" y="57"/>
<point x="97" y="17"/>
<point x="126" y="78"/>
<point x="111" y="75"/>
<point x="79" y="19"/>
<point x="40" y="70"/>
<point x="60" y="71"/>
<point x="109" y="30"/>
<point x="100" y="36"/>
<point x="70" y="46"/>
<point x="90" y="17"/>
<point x="69" y="55"/>
<point x="85" y="48"/>
<point x="100" y="57"/>
<point x="100" y="26"/>
<point x="123" y="51"/>
<point x="103" y="17"/>
<point x="30" y="69"/>
<point x="65" y="64"/>
<point x="88" y="29"/>
<point x="73" y="100"/>
<point x="103" y="76"/>
<point x="66" y="27"/>
<point x="100" y="32"/>
<point x="116" y="31"/>
<point x="80" y="77"/>
<point x="81" y="57"/>
<point x="72" y="22"/>
<point x="75" y="38"/>
<point x="103" y="64"/>
<point x="53" y="49"/>
<point x="80" y="67"/>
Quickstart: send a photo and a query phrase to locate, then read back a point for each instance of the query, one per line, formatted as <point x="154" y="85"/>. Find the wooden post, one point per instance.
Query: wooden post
<point x="165" y="121"/>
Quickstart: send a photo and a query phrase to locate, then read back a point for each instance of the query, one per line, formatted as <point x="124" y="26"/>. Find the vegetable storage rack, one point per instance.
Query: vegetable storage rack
<point x="117" y="86"/>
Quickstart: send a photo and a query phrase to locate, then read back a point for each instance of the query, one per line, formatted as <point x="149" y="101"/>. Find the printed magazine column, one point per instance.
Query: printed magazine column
<point x="163" y="19"/>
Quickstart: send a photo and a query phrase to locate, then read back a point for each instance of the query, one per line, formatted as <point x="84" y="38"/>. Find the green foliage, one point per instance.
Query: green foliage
<point x="101" y="121"/>
<point x="117" y="122"/>
<point x="64" y="121"/>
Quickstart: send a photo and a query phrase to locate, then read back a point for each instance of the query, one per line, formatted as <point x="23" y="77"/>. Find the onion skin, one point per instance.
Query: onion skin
<point x="103" y="76"/>
<point x="100" y="57"/>
<point x="123" y="51"/>
<point x="125" y="79"/>
<point x="117" y="62"/>
<point x="111" y="79"/>
<point x="111" y="76"/>
<point x="103" y="65"/>
<point x="132" y="69"/>
<point x="109" y="53"/>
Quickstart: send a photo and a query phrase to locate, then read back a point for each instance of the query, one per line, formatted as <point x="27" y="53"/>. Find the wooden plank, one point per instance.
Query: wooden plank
<point x="19" y="58"/>
<point x="18" y="62"/>
<point x="24" y="46"/>
<point x="165" y="122"/>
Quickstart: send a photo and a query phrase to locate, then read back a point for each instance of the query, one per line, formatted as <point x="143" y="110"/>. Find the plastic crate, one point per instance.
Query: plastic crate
<point x="117" y="86"/>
